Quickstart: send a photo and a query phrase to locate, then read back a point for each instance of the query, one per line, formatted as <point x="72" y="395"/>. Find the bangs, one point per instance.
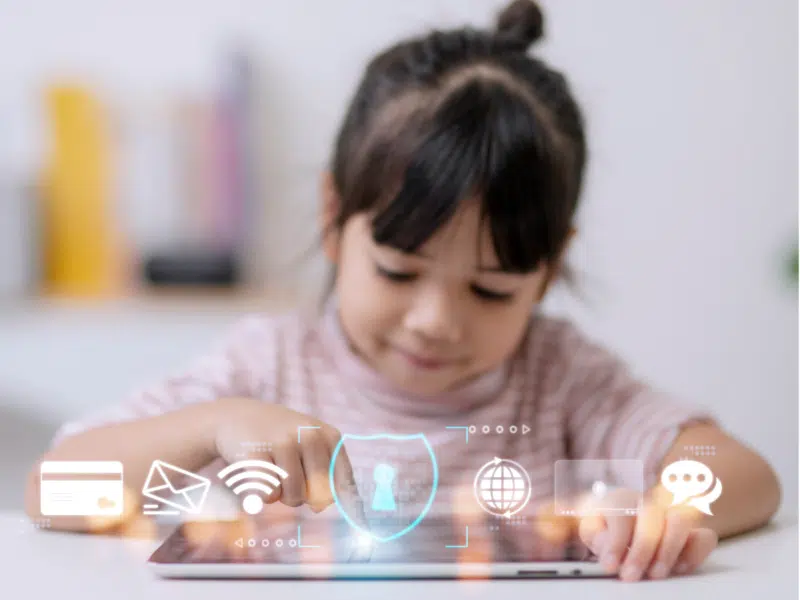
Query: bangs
<point x="485" y="143"/>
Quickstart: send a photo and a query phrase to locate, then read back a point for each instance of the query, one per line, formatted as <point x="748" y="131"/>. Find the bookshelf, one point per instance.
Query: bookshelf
<point x="183" y="300"/>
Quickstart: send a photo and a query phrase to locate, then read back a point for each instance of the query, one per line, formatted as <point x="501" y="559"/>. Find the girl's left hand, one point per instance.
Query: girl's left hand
<point x="660" y="540"/>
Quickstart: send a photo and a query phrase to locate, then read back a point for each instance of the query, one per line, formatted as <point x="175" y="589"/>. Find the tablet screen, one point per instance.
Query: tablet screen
<point x="325" y="541"/>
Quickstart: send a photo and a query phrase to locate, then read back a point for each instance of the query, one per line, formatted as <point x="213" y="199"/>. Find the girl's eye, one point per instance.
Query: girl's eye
<point x="490" y="295"/>
<point x="395" y="275"/>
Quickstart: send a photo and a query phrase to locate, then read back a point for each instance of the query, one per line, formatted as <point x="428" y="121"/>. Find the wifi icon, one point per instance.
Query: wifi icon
<point x="255" y="476"/>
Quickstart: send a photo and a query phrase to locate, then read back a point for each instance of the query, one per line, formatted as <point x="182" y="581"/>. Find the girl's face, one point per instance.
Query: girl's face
<point x="431" y="320"/>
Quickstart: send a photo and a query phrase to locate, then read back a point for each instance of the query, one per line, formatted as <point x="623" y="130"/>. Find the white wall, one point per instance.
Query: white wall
<point x="692" y="194"/>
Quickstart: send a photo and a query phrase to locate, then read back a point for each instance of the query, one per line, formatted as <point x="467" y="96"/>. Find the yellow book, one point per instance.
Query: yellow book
<point x="82" y="248"/>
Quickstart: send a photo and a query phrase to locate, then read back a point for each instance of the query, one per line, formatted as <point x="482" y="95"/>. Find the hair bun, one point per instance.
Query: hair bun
<point x="520" y="24"/>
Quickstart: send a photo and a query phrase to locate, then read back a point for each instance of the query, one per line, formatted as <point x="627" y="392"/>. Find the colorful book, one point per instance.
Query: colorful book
<point x="82" y="247"/>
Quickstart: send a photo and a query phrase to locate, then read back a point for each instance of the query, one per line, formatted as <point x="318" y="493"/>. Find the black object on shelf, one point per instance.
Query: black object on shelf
<point x="193" y="268"/>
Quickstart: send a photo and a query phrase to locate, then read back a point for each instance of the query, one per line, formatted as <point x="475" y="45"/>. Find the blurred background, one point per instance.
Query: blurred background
<point x="159" y="166"/>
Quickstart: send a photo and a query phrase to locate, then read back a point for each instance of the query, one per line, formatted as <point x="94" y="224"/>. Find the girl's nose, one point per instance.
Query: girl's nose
<point x="435" y="316"/>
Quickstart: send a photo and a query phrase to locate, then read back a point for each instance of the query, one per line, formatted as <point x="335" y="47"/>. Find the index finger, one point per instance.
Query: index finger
<point x="618" y="538"/>
<point x="351" y="503"/>
<point x="343" y="481"/>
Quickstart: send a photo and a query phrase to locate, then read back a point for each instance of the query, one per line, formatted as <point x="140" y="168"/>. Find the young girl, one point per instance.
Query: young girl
<point x="446" y="214"/>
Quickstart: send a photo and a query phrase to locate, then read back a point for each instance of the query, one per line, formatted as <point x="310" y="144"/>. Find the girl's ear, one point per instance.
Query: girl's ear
<point x="330" y="204"/>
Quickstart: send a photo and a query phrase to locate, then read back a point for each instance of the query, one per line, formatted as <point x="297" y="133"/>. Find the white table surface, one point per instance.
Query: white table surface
<point x="50" y="565"/>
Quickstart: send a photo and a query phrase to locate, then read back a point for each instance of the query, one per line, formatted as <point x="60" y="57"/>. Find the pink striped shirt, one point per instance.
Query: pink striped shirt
<point x="560" y="396"/>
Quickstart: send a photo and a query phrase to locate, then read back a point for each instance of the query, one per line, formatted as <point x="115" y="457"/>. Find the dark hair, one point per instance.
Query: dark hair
<point x="461" y="114"/>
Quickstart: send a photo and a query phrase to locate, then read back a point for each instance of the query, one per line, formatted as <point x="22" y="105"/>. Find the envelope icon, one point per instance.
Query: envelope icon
<point x="176" y="487"/>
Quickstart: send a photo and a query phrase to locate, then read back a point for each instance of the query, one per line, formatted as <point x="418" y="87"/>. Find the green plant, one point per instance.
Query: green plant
<point x="792" y="264"/>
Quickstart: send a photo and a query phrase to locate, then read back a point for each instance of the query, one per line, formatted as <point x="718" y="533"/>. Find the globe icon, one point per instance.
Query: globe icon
<point x="502" y="487"/>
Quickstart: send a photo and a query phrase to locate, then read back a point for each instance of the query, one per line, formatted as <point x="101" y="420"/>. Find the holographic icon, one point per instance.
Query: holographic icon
<point x="262" y="478"/>
<point x="502" y="487"/>
<point x="172" y="486"/>
<point x="80" y="488"/>
<point x="383" y="475"/>
<point x="598" y="487"/>
<point x="688" y="481"/>
<point x="383" y="499"/>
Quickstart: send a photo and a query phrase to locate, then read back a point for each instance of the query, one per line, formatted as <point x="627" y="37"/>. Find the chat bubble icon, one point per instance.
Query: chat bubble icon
<point x="703" y="503"/>
<point x="686" y="479"/>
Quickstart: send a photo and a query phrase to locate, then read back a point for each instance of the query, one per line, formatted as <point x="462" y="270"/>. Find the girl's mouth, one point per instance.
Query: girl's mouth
<point x="420" y="362"/>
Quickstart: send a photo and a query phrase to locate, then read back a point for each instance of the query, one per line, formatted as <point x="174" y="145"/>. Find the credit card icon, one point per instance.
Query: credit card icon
<point x="80" y="488"/>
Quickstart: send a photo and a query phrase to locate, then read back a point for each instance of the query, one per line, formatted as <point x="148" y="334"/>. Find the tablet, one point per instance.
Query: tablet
<point x="436" y="549"/>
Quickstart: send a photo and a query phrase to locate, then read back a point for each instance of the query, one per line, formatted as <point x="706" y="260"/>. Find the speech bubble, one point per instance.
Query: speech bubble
<point x="703" y="503"/>
<point x="686" y="479"/>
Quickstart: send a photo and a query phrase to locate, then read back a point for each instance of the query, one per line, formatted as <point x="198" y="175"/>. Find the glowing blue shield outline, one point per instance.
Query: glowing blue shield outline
<point x="384" y="436"/>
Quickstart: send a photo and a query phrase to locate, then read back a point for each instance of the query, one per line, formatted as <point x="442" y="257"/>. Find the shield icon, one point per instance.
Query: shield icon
<point x="382" y="500"/>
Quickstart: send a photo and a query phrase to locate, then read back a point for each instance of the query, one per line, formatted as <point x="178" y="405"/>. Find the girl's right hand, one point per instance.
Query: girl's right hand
<point x="253" y="429"/>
